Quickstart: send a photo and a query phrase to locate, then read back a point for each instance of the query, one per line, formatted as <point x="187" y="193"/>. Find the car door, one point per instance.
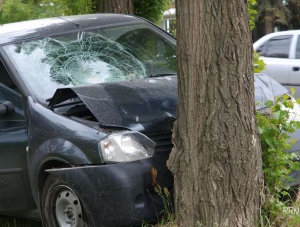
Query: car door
<point x="14" y="182"/>
<point x="294" y="72"/>
<point x="276" y="52"/>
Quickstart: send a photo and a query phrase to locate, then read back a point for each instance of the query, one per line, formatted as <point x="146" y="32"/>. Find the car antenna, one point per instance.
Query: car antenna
<point x="77" y="25"/>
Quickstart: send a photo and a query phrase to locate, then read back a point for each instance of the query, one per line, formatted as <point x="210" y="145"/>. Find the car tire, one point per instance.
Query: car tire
<point x="60" y="206"/>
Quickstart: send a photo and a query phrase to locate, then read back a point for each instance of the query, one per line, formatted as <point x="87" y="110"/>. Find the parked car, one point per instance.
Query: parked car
<point x="281" y="53"/>
<point x="87" y="105"/>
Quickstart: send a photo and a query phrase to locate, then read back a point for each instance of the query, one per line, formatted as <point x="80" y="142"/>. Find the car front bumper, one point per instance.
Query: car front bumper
<point x="118" y="194"/>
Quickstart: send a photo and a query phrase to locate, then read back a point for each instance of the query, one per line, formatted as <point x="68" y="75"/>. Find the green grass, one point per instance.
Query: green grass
<point x="7" y="221"/>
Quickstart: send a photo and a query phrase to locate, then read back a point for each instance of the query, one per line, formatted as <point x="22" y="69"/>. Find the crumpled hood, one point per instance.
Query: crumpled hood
<point x="127" y="104"/>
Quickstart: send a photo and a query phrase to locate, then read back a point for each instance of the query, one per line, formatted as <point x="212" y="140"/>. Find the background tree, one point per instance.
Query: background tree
<point x="115" y="6"/>
<point x="216" y="158"/>
<point x="273" y="13"/>
<point x="282" y="15"/>
<point x="293" y="7"/>
<point x="1" y="3"/>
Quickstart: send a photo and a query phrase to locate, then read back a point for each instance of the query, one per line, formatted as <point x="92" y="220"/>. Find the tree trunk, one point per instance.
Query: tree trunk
<point x="268" y="21"/>
<point x="216" y="160"/>
<point x="1" y="4"/>
<point x="115" y="6"/>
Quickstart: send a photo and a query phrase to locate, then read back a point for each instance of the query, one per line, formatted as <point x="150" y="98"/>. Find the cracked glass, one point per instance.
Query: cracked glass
<point x="91" y="57"/>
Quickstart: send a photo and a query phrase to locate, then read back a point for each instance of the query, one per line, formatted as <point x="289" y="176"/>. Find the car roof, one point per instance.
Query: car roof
<point x="18" y="31"/>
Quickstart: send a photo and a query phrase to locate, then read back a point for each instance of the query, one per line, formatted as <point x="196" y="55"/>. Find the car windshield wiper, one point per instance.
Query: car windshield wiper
<point x="162" y="74"/>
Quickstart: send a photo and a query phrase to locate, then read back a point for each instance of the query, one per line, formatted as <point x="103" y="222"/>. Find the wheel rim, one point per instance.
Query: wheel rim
<point x="67" y="210"/>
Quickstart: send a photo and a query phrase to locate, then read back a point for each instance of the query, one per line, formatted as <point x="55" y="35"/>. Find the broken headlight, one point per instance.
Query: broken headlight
<point x="126" y="146"/>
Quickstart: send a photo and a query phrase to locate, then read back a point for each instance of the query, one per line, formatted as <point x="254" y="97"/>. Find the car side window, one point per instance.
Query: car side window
<point x="5" y="78"/>
<point x="10" y="93"/>
<point x="277" y="47"/>
<point x="298" y="48"/>
<point x="261" y="49"/>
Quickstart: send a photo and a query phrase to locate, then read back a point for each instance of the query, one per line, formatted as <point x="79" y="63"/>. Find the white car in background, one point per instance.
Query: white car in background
<point x="281" y="54"/>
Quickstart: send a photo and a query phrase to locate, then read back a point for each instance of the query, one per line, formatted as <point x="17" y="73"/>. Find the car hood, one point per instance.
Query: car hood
<point x="136" y="105"/>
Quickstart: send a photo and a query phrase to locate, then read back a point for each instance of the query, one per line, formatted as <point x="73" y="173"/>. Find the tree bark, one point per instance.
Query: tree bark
<point x="1" y="4"/>
<point x="216" y="160"/>
<point x="115" y="6"/>
<point x="268" y="21"/>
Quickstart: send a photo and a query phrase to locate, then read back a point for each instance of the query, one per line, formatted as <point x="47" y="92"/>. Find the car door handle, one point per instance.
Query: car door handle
<point x="296" y="68"/>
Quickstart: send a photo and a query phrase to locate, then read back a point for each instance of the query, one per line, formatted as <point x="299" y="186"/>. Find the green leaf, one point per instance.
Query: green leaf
<point x="292" y="89"/>
<point x="290" y="104"/>
<point x="285" y="97"/>
<point x="269" y="103"/>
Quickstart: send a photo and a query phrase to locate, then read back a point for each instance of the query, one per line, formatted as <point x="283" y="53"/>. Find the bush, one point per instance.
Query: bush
<point x="275" y="127"/>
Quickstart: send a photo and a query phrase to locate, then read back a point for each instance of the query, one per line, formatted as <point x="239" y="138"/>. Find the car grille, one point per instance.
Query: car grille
<point x="163" y="142"/>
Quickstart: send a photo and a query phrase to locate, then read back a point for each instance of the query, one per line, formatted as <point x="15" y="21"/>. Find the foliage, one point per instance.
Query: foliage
<point x="75" y="7"/>
<point x="150" y="9"/>
<point x="293" y="7"/>
<point x="275" y="9"/>
<point x="50" y="8"/>
<point x="258" y="63"/>
<point x="275" y="125"/>
<point x="168" y="212"/>
<point x="252" y="12"/>
<point x="21" y="10"/>
<point x="17" y="10"/>
<point x="283" y="14"/>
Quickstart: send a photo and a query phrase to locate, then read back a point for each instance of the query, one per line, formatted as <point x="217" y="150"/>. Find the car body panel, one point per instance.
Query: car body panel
<point x="280" y="74"/>
<point x="15" y="191"/>
<point x="127" y="103"/>
<point x="54" y="137"/>
<point x="102" y="186"/>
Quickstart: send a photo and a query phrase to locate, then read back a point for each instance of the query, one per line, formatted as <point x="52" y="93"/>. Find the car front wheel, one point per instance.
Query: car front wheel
<point x="61" y="206"/>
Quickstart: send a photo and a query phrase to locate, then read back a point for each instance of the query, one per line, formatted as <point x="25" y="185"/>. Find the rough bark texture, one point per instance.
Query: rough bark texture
<point x="116" y="6"/>
<point x="216" y="158"/>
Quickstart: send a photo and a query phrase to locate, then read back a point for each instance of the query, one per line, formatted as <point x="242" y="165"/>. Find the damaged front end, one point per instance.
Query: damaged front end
<point x="116" y="195"/>
<point x="134" y="115"/>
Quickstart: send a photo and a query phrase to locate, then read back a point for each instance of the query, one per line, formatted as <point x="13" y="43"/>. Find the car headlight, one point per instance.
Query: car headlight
<point x="126" y="146"/>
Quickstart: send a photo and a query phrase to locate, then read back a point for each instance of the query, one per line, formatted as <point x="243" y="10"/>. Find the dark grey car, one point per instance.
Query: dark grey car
<point x="85" y="118"/>
<point x="87" y="105"/>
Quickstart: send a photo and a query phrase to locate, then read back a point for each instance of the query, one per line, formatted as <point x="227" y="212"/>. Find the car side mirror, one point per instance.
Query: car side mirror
<point x="7" y="108"/>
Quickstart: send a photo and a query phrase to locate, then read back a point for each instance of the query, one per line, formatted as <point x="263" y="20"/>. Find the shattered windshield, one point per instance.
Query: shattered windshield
<point x="90" y="57"/>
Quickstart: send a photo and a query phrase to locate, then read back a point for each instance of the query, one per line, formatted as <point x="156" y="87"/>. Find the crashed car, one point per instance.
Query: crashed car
<point x="85" y="119"/>
<point x="87" y="105"/>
